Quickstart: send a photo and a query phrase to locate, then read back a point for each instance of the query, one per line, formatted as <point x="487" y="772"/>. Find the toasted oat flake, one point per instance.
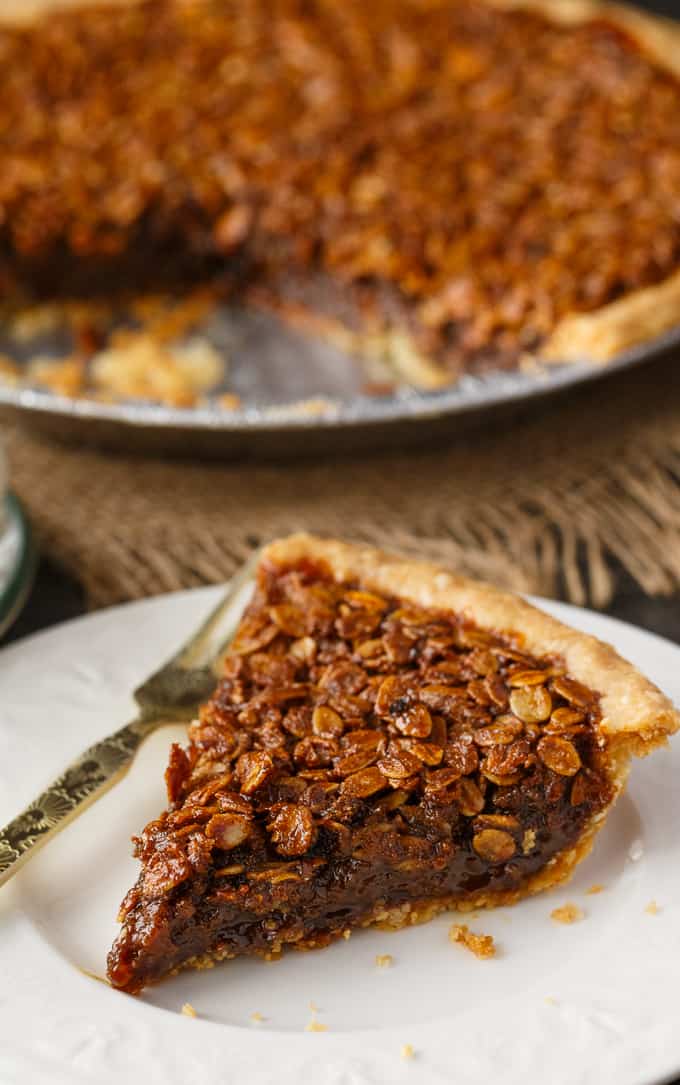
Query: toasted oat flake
<point x="568" y="913"/>
<point x="482" y="945"/>
<point x="188" y="1010"/>
<point x="384" y="960"/>
<point x="407" y="1051"/>
<point x="594" y="889"/>
<point x="256" y="1018"/>
<point x="528" y="841"/>
<point x="652" y="908"/>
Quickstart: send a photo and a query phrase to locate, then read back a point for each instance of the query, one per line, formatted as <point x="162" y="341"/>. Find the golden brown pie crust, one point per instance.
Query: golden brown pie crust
<point x="643" y="314"/>
<point x="634" y="711"/>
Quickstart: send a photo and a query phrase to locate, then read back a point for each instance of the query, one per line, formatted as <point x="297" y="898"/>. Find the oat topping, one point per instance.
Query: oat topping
<point x="568" y="913"/>
<point x="407" y="1051"/>
<point x="463" y="174"/>
<point x="594" y="889"/>
<point x="482" y="945"/>
<point x="359" y="754"/>
<point x="652" y="908"/>
<point x="188" y="1010"/>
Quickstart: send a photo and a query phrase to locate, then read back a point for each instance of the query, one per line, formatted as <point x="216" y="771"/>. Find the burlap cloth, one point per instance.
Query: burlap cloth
<point x="546" y="503"/>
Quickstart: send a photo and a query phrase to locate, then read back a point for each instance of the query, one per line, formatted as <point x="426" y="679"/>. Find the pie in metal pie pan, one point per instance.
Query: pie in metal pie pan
<point x="461" y="277"/>
<point x="568" y="1000"/>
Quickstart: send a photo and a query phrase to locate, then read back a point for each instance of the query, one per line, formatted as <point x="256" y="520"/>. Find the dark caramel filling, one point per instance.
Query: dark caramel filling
<point x="359" y="753"/>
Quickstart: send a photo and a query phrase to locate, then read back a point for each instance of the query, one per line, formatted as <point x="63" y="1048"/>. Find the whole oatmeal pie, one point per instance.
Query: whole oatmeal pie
<point x="387" y="740"/>
<point x="446" y="185"/>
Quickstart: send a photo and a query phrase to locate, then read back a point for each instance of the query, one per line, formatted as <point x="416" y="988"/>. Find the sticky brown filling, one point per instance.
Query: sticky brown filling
<point x="360" y="754"/>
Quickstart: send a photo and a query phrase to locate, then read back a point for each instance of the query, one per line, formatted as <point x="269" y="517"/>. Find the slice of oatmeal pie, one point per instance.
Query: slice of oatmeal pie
<point x="388" y="740"/>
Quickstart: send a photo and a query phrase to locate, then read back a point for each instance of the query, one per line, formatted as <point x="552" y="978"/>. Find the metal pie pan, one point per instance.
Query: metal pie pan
<point x="300" y="397"/>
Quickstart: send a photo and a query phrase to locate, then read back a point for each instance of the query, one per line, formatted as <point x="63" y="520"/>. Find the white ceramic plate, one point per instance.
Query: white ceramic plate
<point x="586" y="1004"/>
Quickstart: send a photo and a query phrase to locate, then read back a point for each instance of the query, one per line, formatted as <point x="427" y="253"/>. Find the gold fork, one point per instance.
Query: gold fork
<point x="169" y="695"/>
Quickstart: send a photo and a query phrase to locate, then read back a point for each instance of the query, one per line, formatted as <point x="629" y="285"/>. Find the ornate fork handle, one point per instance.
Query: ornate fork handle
<point x="171" y="694"/>
<point x="93" y="773"/>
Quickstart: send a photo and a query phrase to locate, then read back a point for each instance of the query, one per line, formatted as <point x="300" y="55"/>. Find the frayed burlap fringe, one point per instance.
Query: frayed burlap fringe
<point x="546" y="504"/>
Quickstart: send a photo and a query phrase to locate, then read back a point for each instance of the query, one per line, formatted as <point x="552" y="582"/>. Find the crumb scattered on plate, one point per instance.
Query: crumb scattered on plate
<point x="652" y="908"/>
<point x="568" y="913"/>
<point x="256" y="1018"/>
<point x="384" y="960"/>
<point x="550" y="1000"/>
<point x="188" y="1010"/>
<point x="597" y="888"/>
<point x="406" y="1051"/>
<point x="347" y="934"/>
<point x="636" y="851"/>
<point x="482" y="945"/>
<point x="314" y="1025"/>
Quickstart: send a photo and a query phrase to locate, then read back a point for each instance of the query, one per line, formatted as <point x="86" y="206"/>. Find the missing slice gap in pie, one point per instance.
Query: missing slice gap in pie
<point x="388" y="740"/>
